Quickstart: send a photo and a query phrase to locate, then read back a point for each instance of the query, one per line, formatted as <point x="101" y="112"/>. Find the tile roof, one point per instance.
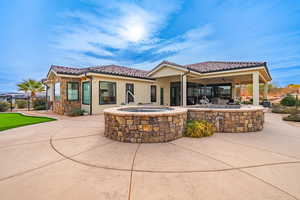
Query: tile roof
<point x="105" y="69"/>
<point x="214" y="66"/>
<point x="170" y="63"/>
<point x="202" y="67"/>
<point x="68" y="70"/>
<point x="120" y="70"/>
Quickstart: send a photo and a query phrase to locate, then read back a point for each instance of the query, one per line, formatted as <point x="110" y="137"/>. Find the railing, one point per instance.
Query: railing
<point x="131" y="94"/>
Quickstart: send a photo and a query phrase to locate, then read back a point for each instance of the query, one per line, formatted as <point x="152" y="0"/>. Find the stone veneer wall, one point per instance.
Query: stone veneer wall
<point x="145" y="129"/>
<point x="64" y="106"/>
<point x="227" y="121"/>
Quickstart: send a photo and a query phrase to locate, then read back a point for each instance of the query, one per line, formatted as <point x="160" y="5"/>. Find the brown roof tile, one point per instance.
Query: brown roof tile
<point x="202" y="67"/>
<point x="68" y="70"/>
<point x="214" y="66"/>
<point x="105" y="69"/>
<point x="119" y="70"/>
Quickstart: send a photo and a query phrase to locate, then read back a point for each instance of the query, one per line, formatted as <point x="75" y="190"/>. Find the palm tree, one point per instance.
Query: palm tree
<point x="31" y="86"/>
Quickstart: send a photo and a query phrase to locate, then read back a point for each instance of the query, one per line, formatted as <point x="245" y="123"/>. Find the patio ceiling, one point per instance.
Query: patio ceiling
<point x="238" y="79"/>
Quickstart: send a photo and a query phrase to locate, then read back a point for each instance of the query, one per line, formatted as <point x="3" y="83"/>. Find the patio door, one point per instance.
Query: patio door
<point x="175" y="94"/>
<point x="129" y="93"/>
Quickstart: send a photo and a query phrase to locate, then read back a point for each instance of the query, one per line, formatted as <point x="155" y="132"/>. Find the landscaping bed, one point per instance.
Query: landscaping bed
<point x="13" y="120"/>
<point x="292" y="117"/>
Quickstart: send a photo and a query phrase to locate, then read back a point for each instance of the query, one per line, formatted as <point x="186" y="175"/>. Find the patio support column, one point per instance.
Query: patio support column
<point x="183" y="96"/>
<point x="255" y="83"/>
<point x="233" y="91"/>
<point x="266" y="90"/>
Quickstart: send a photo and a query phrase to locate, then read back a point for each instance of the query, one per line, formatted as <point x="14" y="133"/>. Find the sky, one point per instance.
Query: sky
<point x="34" y="34"/>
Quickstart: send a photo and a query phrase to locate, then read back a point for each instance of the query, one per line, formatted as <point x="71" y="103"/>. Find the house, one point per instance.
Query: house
<point x="96" y="88"/>
<point x="12" y="97"/>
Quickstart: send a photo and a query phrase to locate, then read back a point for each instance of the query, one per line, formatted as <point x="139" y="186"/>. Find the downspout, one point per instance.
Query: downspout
<point x="181" y="76"/>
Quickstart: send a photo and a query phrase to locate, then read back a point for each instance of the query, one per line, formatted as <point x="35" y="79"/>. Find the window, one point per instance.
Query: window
<point x="57" y="91"/>
<point x="72" y="91"/>
<point x="107" y="91"/>
<point x="86" y="93"/>
<point x="153" y="93"/>
<point x="224" y="91"/>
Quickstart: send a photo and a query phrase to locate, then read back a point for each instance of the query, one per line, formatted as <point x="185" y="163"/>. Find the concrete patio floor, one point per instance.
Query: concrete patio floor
<point x="71" y="159"/>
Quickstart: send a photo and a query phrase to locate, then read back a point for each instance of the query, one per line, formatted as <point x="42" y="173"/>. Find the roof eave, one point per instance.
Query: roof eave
<point x="168" y="64"/>
<point x="107" y="73"/>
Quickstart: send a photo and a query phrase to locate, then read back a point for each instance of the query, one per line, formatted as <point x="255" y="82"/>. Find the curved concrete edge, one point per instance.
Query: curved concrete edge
<point x="144" y="170"/>
<point x="32" y="115"/>
<point x="7" y="130"/>
<point x="117" y="112"/>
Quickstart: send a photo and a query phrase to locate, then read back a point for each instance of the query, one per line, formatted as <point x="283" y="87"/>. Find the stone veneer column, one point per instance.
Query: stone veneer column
<point x="255" y="83"/>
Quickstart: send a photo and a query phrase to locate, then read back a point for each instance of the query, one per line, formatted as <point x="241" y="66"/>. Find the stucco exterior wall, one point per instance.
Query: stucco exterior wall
<point x="165" y="83"/>
<point x="167" y="72"/>
<point x="141" y="92"/>
<point x="50" y="91"/>
<point x="86" y="108"/>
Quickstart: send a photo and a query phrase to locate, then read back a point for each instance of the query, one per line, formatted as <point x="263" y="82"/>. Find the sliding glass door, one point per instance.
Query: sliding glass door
<point x="175" y="94"/>
<point x="196" y="92"/>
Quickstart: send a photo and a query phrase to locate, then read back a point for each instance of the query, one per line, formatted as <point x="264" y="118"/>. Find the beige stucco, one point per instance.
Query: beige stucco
<point x="255" y="84"/>
<point x="166" y="72"/>
<point x="50" y="91"/>
<point x="141" y="92"/>
<point x="165" y="83"/>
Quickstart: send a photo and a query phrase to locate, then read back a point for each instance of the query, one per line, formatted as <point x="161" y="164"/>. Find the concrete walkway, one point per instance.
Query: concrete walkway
<point x="70" y="159"/>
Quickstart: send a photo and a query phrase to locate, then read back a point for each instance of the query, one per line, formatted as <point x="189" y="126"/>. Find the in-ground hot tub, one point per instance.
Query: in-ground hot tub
<point x="230" y="119"/>
<point x="144" y="124"/>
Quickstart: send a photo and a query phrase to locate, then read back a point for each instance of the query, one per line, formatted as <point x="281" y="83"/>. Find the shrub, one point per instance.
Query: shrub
<point x="4" y="106"/>
<point x="40" y="107"/>
<point x="76" y="112"/>
<point x="21" y="103"/>
<point x="289" y="100"/>
<point x="198" y="129"/>
<point x="292" y="117"/>
<point x="276" y="108"/>
<point x="39" y="104"/>
<point x="248" y="102"/>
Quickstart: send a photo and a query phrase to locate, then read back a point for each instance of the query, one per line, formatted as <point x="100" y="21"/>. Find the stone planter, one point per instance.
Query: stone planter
<point x="149" y="127"/>
<point x="145" y="127"/>
<point x="245" y="119"/>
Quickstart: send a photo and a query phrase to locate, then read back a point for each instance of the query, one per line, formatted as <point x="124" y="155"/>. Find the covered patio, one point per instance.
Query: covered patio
<point x="194" y="84"/>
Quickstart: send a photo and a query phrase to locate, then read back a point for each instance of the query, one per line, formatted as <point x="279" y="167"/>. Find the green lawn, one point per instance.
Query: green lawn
<point x="13" y="120"/>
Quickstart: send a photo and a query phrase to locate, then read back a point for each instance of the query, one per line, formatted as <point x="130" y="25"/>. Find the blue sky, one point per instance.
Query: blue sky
<point x="141" y="33"/>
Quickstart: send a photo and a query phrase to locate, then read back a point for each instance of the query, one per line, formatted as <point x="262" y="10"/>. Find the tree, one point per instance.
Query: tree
<point x="31" y="86"/>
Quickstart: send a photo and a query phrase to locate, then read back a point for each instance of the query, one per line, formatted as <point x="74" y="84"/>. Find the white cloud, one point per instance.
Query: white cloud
<point x="117" y="26"/>
<point x="130" y="34"/>
<point x="194" y="38"/>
